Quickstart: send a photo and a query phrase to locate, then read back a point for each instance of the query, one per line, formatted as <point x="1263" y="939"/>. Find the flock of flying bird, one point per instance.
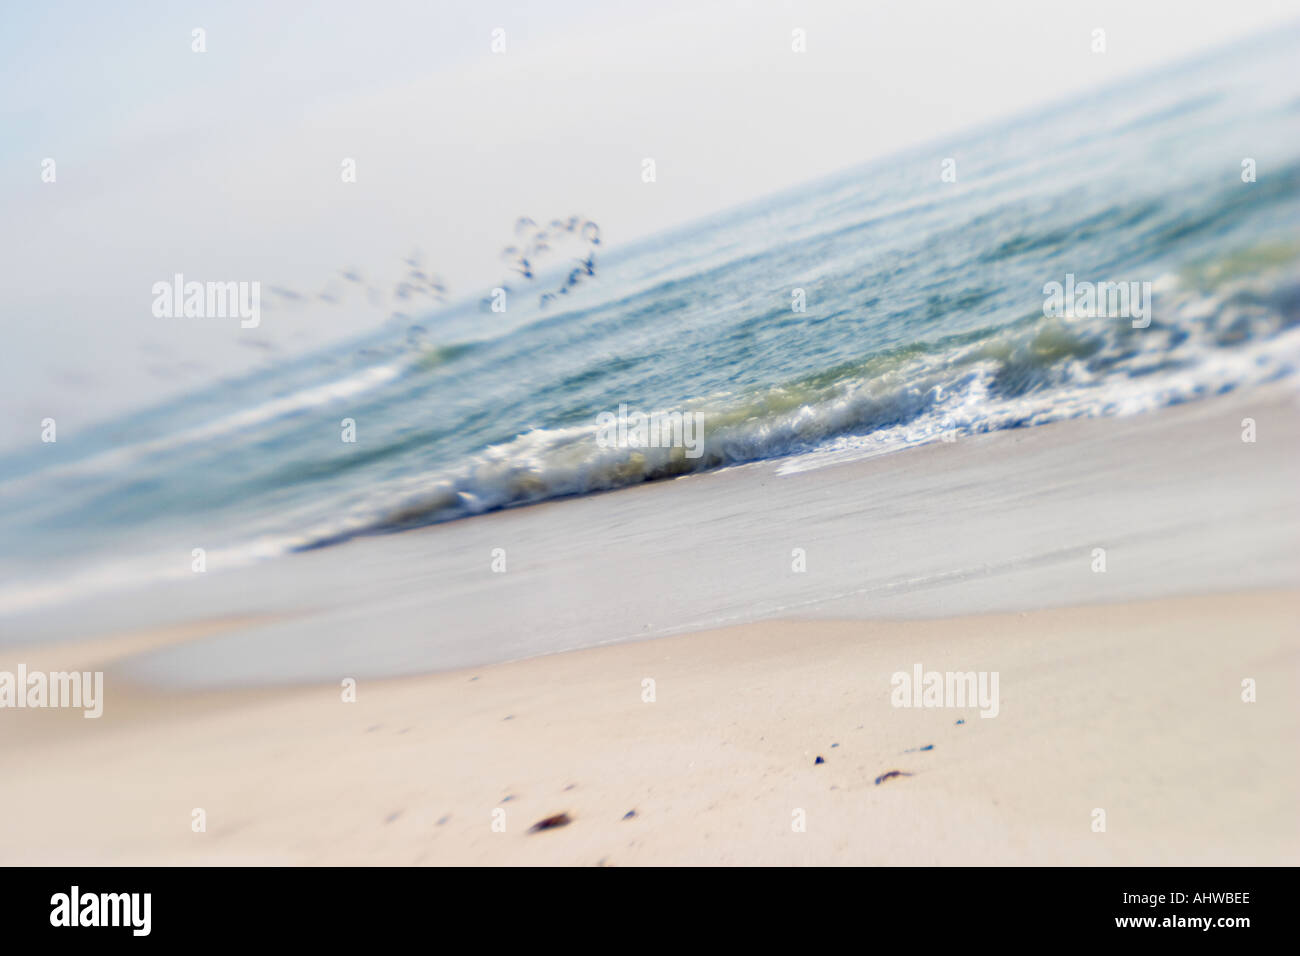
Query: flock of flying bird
<point x="535" y="243"/>
<point x="532" y="254"/>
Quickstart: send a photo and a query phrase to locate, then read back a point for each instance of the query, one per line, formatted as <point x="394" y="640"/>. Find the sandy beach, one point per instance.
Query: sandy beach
<point x="1135" y="709"/>
<point x="467" y="435"/>
<point x="1119" y="691"/>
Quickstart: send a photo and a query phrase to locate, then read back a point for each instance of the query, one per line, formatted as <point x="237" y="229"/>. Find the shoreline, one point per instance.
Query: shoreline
<point x="1178" y="503"/>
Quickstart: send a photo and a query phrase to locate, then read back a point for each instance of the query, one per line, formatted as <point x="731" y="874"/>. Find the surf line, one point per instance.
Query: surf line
<point x="655" y="430"/>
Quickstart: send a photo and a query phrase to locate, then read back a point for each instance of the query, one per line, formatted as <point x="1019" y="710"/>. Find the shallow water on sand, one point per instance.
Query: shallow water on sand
<point x="1005" y="521"/>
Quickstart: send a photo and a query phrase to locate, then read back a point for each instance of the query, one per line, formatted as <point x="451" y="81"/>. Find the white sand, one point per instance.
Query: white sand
<point x="1134" y="709"/>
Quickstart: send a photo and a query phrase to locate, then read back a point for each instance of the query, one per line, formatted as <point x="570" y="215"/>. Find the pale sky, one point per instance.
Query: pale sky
<point x="225" y="165"/>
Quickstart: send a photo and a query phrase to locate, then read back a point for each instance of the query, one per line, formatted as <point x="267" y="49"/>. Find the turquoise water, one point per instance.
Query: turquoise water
<point x="924" y="320"/>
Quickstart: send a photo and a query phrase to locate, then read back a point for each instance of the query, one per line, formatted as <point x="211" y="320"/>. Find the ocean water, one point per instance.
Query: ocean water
<point x="924" y="321"/>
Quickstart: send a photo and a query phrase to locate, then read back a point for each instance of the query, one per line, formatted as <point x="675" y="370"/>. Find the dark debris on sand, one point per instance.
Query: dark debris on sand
<point x="889" y="775"/>
<point x="550" y="823"/>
